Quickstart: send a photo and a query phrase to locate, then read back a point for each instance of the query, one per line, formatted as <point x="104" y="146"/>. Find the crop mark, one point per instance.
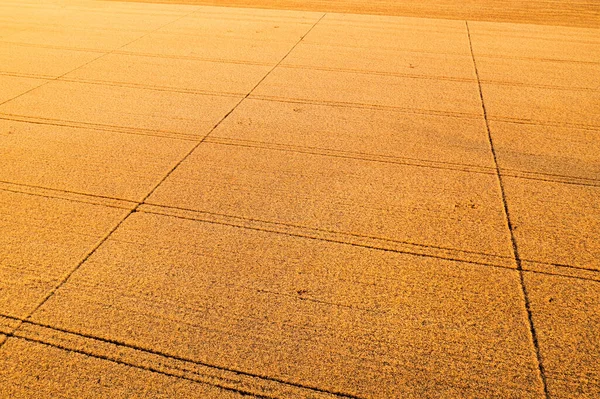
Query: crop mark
<point x="100" y="127"/>
<point x="510" y="57"/>
<point x="164" y="355"/>
<point x="550" y="178"/>
<point x="102" y="54"/>
<point x="205" y="373"/>
<point x="138" y="366"/>
<point x="56" y="47"/>
<point x="54" y="193"/>
<point x="169" y="89"/>
<point x="326" y="230"/>
<point x="103" y="239"/>
<point x="27" y="75"/>
<point x="522" y="35"/>
<point x="565" y="275"/>
<point x="239" y="37"/>
<point x="61" y="198"/>
<point x="51" y="293"/>
<point x="289" y="230"/>
<point x="356" y="105"/>
<point x="379" y="73"/>
<point x="538" y="86"/>
<point x="398" y="49"/>
<point x="360" y="156"/>
<point x="520" y="174"/>
<point x="534" y="338"/>
<point x="194" y="58"/>
<point x="44" y="192"/>
<point x="521" y="121"/>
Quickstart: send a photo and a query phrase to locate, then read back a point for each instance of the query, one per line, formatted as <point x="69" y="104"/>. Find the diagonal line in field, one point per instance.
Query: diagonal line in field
<point x="513" y="239"/>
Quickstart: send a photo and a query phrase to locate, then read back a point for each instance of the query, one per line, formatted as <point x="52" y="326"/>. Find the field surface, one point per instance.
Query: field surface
<point x="581" y="13"/>
<point x="200" y="201"/>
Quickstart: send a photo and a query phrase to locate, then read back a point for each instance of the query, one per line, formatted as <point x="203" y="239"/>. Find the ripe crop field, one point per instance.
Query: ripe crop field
<point x="299" y="199"/>
<point x="581" y="13"/>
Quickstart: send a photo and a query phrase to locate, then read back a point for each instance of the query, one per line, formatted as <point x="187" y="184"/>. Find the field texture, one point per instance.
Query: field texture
<point x="220" y="202"/>
<point x="582" y="13"/>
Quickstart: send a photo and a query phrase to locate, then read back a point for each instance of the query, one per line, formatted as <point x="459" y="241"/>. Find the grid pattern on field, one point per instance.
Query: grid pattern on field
<point x="273" y="203"/>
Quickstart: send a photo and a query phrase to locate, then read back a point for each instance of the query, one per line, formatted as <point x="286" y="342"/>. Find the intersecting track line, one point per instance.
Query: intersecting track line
<point x="77" y="193"/>
<point x="305" y="228"/>
<point x="105" y="238"/>
<point x="164" y="355"/>
<point x="98" y="127"/>
<point x="545" y="123"/>
<point x="104" y="53"/>
<point x="307" y="236"/>
<point x="407" y="161"/>
<point x="68" y="276"/>
<point x="354" y="155"/>
<point x="356" y="105"/>
<point x="515" y="247"/>
<point x="565" y="275"/>
<point x="137" y="366"/>
<point x="51" y="293"/>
